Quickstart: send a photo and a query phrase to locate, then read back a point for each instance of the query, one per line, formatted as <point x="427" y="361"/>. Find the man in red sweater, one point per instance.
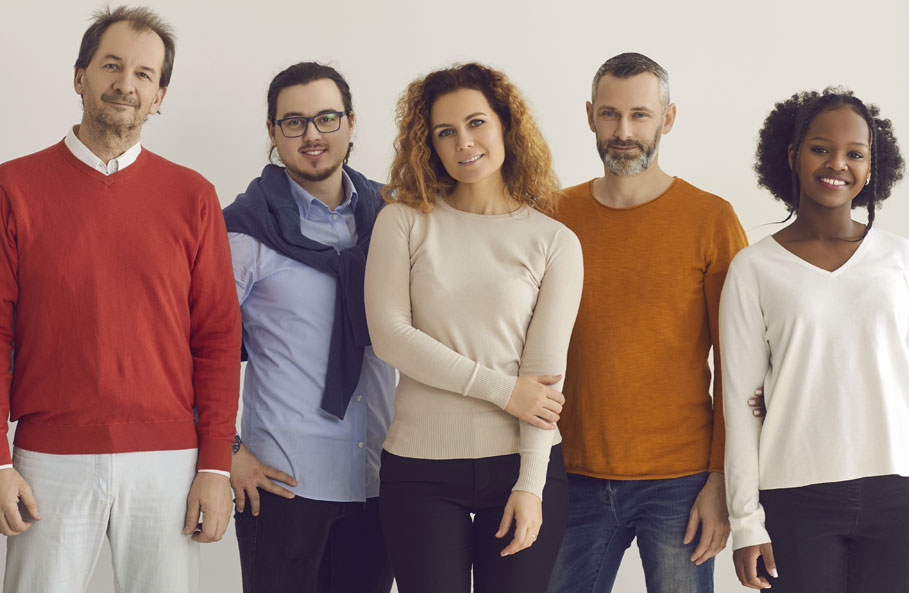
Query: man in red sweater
<point x="120" y="324"/>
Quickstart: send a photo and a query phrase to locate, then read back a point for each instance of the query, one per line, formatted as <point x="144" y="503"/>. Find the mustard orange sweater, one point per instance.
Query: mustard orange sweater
<point x="637" y="382"/>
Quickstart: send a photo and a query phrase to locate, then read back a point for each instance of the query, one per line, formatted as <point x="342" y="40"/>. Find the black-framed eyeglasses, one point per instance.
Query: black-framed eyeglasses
<point x="326" y="122"/>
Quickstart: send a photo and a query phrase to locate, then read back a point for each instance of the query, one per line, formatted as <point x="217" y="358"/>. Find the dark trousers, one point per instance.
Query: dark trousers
<point x="426" y="508"/>
<point x="311" y="546"/>
<point x="838" y="537"/>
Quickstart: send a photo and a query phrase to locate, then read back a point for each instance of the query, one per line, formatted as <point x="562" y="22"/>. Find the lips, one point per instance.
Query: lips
<point x="122" y="100"/>
<point x="832" y="182"/>
<point x="313" y="153"/>
<point x="471" y="160"/>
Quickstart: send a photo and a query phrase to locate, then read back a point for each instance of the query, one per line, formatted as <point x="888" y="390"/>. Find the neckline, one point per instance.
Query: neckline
<point x="675" y="181"/>
<point x="440" y="202"/>
<point x="831" y="273"/>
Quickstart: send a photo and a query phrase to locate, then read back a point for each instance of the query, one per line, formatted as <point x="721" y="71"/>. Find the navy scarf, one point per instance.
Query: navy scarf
<point x="268" y="213"/>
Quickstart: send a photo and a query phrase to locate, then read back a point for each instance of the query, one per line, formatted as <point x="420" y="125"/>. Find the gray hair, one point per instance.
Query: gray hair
<point x="631" y="64"/>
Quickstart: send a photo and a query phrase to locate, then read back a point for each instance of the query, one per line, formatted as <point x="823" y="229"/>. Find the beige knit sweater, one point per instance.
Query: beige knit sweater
<point x="461" y="304"/>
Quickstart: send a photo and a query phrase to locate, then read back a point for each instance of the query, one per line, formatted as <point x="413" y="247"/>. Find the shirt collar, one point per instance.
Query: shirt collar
<point x="311" y="208"/>
<point x="82" y="152"/>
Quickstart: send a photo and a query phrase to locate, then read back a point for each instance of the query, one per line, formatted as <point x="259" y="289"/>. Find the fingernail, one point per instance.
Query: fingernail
<point x="756" y="412"/>
<point x="774" y="573"/>
<point x="751" y="401"/>
<point x="757" y="391"/>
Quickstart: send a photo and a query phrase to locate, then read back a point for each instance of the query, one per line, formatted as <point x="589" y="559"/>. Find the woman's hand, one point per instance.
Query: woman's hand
<point x="745" y="560"/>
<point x="526" y="510"/>
<point x="535" y="403"/>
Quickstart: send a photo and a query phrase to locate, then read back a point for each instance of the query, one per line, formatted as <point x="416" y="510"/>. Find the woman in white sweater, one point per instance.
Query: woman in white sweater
<point x="818" y="313"/>
<point x="471" y="293"/>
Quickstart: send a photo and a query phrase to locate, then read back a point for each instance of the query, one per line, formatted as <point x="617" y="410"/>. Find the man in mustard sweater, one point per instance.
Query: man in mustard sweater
<point x="116" y="297"/>
<point x="643" y="441"/>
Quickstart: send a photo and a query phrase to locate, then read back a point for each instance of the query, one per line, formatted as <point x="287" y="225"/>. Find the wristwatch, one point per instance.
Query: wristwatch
<point x="236" y="446"/>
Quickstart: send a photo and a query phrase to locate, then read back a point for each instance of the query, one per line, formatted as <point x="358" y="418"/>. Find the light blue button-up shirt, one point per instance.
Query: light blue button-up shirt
<point x="288" y="311"/>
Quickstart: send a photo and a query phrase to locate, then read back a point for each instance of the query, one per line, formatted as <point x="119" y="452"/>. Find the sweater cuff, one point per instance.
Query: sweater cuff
<point x="214" y="454"/>
<point x="532" y="476"/>
<point x="491" y="386"/>
<point x="749" y="535"/>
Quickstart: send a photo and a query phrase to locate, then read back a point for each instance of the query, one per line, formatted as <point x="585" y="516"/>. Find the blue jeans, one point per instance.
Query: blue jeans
<point x="604" y="517"/>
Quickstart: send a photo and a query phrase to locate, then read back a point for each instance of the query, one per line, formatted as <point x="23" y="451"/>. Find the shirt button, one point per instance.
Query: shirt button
<point x="334" y="217"/>
<point x="359" y="398"/>
<point x="360" y="445"/>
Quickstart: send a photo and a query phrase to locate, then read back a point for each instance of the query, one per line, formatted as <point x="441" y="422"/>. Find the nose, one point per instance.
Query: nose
<point x="123" y="82"/>
<point x="836" y="161"/>
<point x="623" y="129"/>
<point x="465" y="141"/>
<point x="311" y="132"/>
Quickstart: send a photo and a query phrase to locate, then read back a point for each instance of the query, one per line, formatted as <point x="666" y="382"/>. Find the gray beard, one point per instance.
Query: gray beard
<point x="627" y="166"/>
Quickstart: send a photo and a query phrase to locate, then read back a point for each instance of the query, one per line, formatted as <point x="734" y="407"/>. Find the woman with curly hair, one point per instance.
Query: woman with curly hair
<point x="819" y="314"/>
<point x="471" y="293"/>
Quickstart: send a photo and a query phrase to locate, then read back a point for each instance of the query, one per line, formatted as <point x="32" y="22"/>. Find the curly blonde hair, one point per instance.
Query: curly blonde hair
<point x="418" y="177"/>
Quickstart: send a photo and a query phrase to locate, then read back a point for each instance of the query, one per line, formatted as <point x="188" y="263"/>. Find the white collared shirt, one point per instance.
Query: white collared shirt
<point x="82" y="152"/>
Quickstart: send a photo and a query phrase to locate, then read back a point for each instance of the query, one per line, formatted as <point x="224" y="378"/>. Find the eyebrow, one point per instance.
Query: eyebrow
<point x="636" y="108"/>
<point x="471" y="116"/>
<point x="831" y="141"/>
<point x="301" y="114"/>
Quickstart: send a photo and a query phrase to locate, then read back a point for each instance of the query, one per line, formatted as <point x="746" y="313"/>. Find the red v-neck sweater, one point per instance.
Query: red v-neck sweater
<point x="118" y="300"/>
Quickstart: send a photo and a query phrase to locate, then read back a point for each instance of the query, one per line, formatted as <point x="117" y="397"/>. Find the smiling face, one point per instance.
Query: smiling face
<point x="833" y="162"/>
<point x="120" y="87"/>
<point x="628" y="117"/>
<point x="315" y="156"/>
<point x="467" y="135"/>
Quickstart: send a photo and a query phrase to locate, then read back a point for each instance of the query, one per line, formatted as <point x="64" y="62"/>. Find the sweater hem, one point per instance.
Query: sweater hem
<point x="106" y="438"/>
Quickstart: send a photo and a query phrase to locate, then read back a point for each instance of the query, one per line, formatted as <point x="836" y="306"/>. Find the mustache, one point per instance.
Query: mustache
<point x="120" y="98"/>
<point x="627" y="144"/>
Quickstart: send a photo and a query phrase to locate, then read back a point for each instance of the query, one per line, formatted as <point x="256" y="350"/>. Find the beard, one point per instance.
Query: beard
<point x="317" y="176"/>
<point x="306" y="175"/>
<point x="626" y="165"/>
<point x="120" y="127"/>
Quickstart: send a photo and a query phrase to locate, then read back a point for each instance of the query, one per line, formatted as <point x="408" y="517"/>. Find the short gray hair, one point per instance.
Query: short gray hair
<point x="631" y="64"/>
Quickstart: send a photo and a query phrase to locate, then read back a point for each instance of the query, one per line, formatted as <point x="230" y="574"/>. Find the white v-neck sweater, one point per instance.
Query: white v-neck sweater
<point x="832" y="352"/>
<point x="461" y="304"/>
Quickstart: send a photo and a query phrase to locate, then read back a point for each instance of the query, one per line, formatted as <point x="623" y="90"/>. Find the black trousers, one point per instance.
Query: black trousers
<point x="311" y="546"/>
<point x="426" y="508"/>
<point x="840" y="537"/>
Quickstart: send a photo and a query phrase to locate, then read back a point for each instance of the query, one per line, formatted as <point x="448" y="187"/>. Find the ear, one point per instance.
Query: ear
<point x="271" y="130"/>
<point x="668" y="118"/>
<point x="791" y="158"/>
<point x="79" y="80"/>
<point x="351" y="121"/>
<point x="156" y="102"/>
<point x="589" y="106"/>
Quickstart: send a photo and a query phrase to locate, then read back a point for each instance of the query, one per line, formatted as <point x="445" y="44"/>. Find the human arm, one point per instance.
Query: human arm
<point x="725" y="241"/>
<point x="745" y="363"/>
<point x="419" y="355"/>
<point x="545" y="351"/>
<point x="13" y="487"/>
<point x="208" y="507"/>
<point x="709" y="513"/>
<point x="248" y="474"/>
<point x="214" y="338"/>
<point x="745" y="561"/>
<point x="709" y="509"/>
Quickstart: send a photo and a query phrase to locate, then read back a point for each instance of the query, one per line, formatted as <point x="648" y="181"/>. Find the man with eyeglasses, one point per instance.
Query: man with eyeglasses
<point x="117" y="305"/>
<point x="316" y="402"/>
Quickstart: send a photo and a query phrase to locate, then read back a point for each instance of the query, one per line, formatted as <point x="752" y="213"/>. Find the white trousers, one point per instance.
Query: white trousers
<point x="137" y="500"/>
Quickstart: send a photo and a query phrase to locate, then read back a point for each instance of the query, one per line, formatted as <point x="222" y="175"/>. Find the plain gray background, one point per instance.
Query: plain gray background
<point x="728" y="61"/>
